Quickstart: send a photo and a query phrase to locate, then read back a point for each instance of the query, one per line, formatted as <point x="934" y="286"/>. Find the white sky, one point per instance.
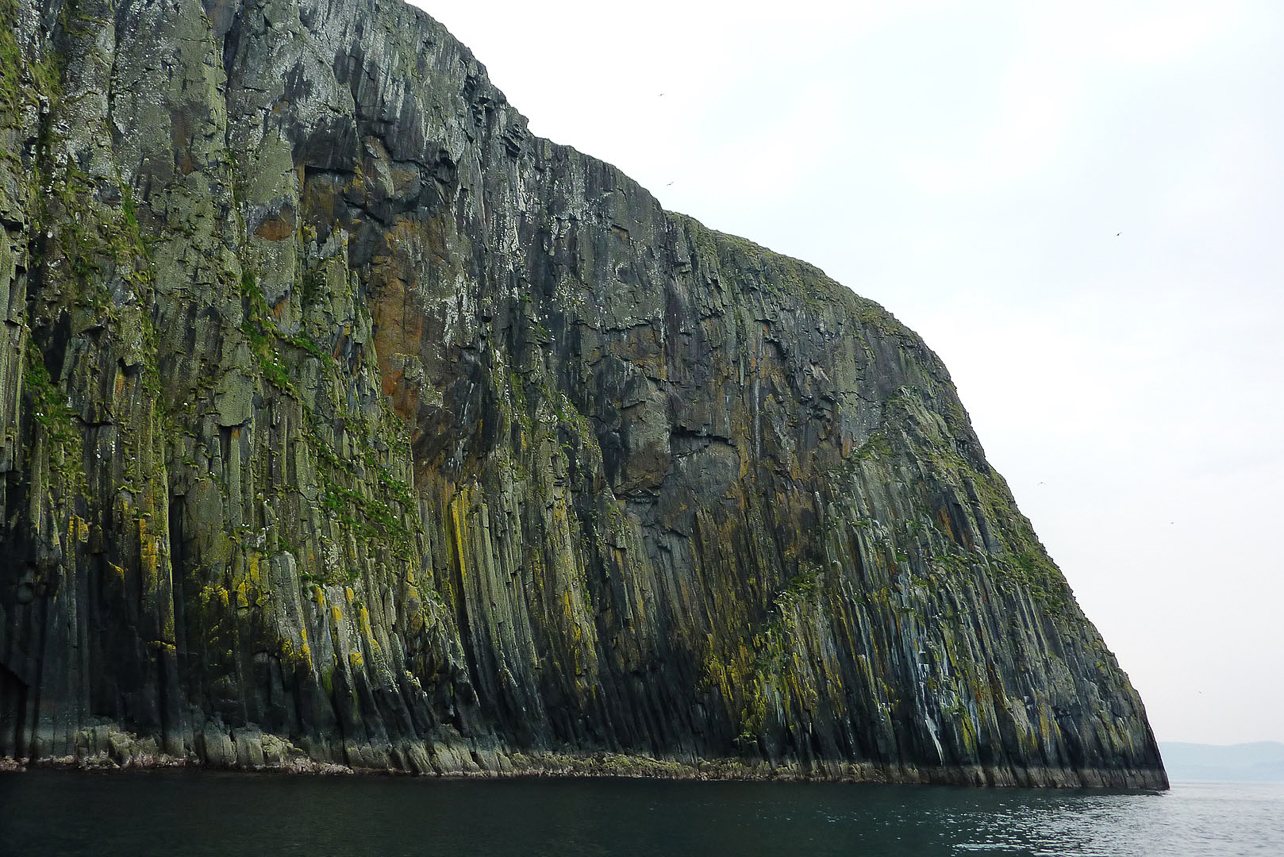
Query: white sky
<point x="969" y="165"/>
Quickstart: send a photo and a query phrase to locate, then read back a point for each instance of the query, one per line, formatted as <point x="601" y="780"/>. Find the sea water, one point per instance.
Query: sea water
<point x="186" y="814"/>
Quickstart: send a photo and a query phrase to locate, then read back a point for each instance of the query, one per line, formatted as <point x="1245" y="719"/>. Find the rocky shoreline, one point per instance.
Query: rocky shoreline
<point x="127" y="753"/>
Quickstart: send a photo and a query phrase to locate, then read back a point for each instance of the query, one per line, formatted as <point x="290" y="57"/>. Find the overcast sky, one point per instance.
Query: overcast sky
<point x="1078" y="205"/>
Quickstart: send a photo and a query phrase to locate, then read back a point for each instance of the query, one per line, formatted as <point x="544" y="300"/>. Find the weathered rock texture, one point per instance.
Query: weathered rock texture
<point x="343" y="421"/>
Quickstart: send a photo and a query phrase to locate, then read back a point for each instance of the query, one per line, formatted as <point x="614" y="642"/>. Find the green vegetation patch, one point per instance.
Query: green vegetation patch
<point x="22" y="83"/>
<point x="878" y="446"/>
<point x="745" y="680"/>
<point x="380" y="520"/>
<point x="50" y="411"/>
<point x="259" y="328"/>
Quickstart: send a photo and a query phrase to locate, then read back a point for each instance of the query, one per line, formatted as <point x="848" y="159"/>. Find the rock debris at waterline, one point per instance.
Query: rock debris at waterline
<point x="343" y="422"/>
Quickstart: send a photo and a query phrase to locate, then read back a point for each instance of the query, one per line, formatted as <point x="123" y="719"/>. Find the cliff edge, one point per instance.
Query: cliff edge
<point x="343" y="421"/>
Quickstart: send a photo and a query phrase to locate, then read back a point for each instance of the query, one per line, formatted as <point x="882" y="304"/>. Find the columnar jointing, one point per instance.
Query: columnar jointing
<point x="345" y="422"/>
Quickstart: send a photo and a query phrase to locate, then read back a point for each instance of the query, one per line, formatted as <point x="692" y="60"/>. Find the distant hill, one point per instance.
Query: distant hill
<point x="1258" y="762"/>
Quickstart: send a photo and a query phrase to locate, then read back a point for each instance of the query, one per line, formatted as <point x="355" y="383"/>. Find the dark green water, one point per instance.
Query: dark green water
<point x="186" y="814"/>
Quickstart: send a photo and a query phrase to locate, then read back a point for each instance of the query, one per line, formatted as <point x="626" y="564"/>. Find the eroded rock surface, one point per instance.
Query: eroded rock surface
<point x="342" y="421"/>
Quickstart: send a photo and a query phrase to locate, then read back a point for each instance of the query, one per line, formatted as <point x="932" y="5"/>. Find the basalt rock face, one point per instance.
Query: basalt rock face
<point x="343" y="421"/>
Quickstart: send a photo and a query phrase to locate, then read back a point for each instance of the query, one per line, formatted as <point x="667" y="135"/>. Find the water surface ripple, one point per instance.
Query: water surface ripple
<point x="190" y="814"/>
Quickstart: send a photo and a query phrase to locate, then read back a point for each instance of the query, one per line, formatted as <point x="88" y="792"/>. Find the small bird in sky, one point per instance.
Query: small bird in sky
<point x="669" y="184"/>
<point x="1117" y="234"/>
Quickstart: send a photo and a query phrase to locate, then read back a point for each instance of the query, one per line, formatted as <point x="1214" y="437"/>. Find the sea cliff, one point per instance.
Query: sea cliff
<point x="345" y="422"/>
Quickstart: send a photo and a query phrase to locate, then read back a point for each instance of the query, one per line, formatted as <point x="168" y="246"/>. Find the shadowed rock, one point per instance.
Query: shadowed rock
<point x="345" y="422"/>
